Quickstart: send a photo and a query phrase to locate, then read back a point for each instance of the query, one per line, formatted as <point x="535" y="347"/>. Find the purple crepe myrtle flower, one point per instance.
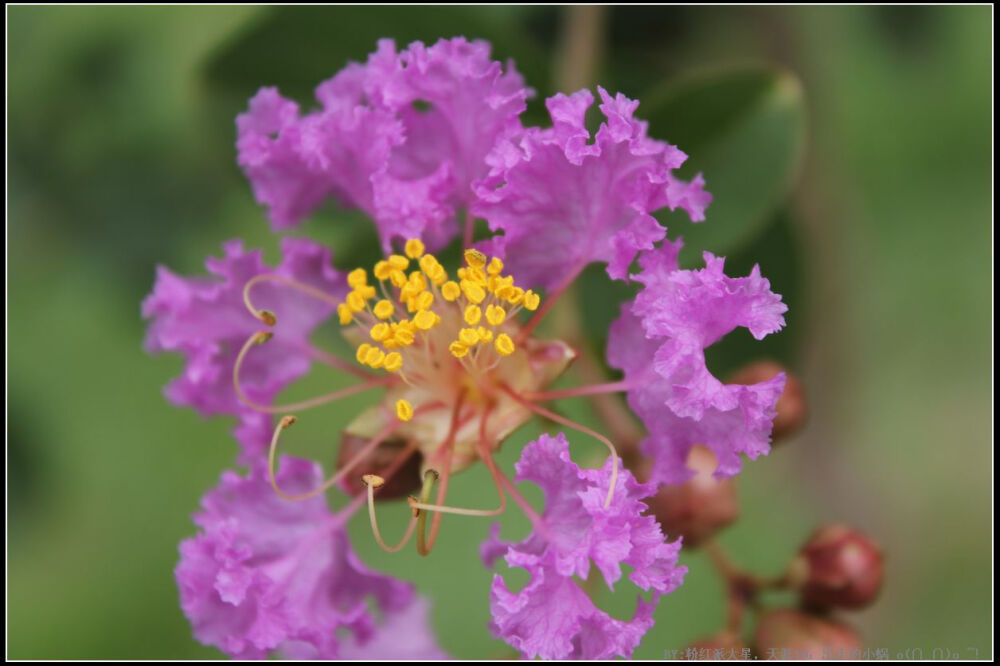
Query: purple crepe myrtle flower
<point x="266" y="575"/>
<point x="414" y="138"/>
<point x="659" y="342"/>
<point x="564" y="199"/>
<point x="401" y="137"/>
<point x="551" y="616"/>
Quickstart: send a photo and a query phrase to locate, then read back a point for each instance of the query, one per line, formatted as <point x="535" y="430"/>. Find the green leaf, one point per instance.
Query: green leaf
<point x="743" y="129"/>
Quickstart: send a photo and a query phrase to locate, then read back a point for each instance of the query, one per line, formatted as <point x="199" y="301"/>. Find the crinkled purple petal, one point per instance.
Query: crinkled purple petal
<point x="659" y="342"/>
<point x="206" y="320"/>
<point x="402" y="137"/>
<point x="563" y="200"/>
<point x="267" y="574"/>
<point x="551" y="617"/>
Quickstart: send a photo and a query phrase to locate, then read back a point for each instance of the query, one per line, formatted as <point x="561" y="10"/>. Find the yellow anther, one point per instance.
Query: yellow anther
<point x="515" y="296"/>
<point x="404" y="410"/>
<point x="437" y="274"/>
<point x="462" y="273"/>
<point x="393" y="361"/>
<point x="367" y="291"/>
<point x="403" y="335"/>
<point x="457" y="349"/>
<point x="382" y="270"/>
<point x="355" y="301"/>
<point x="428" y="262"/>
<point x="357" y="278"/>
<point x="373" y="480"/>
<point x="426" y="320"/>
<point x="531" y="300"/>
<point x="468" y="337"/>
<point x="504" y="345"/>
<point x="476" y="275"/>
<point x="414" y="248"/>
<point x="475" y="258"/>
<point x="473" y="291"/>
<point x="379" y="332"/>
<point x="473" y="314"/>
<point x="501" y="286"/>
<point x="495" y="315"/>
<point x="424" y="300"/>
<point x="384" y="309"/>
<point x="375" y="357"/>
<point x="495" y="266"/>
<point x="418" y="280"/>
<point x="397" y="278"/>
<point x="260" y="337"/>
<point x="345" y="314"/>
<point x="485" y="334"/>
<point x="398" y="261"/>
<point x="390" y="343"/>
<point x="362" y="353"/>
<point x="450" y="290"/>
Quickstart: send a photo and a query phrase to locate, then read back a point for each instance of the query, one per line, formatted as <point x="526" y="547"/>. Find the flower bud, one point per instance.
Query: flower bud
<point x="791" y="409"/>
<point x="722" y="646"/>
<point x="699" y="507"/>
<point x="402" y="482"/>
<point x="789" y="633"/>
<point x="839" y="567"/>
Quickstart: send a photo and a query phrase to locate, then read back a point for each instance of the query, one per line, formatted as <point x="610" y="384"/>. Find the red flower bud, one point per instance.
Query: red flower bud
<point x="788" y="633"/>
<point x="791" y="409"/>
<point x="404" y="481"/>
<point x="699" y="507"/>
<point x="840" y="567"/>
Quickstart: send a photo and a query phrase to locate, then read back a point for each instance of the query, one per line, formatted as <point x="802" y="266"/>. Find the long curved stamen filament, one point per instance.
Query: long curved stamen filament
<point x="424" y="546"/>
<point x="267" y="316"/>
<point x="261" y="337"/>
<point x="380" y="437"/>
<point x="541" y="411"/>
<point x="592" y="389"/>
<point x="373" y="481"/>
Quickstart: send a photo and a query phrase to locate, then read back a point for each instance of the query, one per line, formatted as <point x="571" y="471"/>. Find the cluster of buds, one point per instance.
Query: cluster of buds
<point x="702" y="506"/>
<point x="837" y="568"/>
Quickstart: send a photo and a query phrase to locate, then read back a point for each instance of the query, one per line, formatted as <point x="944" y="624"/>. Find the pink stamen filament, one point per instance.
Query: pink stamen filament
<point x="337" y="362"/>
<point x="470" y="227"/>
<point x="592" y="389"/>
<point x="550" y="300"/>
<point x="297" y="406"/>
<point x="541" y="411"/>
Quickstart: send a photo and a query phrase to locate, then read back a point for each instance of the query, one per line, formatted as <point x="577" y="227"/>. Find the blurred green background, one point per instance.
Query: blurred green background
<point x="849" y="153"/>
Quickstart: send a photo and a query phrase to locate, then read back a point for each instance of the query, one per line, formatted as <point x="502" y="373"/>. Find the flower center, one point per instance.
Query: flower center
<point x="449" y="340"/>
<point x="432" y="330"/>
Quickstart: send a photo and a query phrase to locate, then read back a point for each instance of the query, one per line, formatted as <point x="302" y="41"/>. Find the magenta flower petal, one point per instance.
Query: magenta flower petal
<point x="564" y="199"/>
<point x="553" y="618"/>
<point x="206" y="320"/>
<point x="265" y="574"/>
<point x="401" y="137"/>
<point x="578" y="530"/>
<point x="659" y="342"/>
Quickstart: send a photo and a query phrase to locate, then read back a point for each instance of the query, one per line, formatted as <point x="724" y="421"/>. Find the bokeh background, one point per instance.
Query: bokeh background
<point x="848" y="149"/>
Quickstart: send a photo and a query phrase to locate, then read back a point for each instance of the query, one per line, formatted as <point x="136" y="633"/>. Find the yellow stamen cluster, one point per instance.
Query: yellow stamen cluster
<point x="484" y="296"/>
